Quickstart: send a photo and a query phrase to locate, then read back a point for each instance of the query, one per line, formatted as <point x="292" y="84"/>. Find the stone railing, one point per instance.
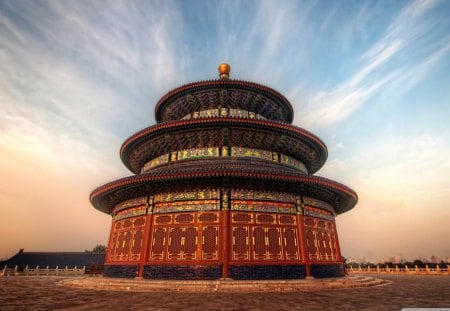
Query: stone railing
<point x="397" y="270"/>
<point x="37" y="271"/>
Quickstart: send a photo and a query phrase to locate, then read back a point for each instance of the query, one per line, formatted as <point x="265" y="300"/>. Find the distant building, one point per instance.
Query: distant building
<point x="53" y="259"/>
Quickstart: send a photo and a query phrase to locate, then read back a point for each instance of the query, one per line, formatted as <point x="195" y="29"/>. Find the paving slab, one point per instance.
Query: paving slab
<point x="45" y="293"/>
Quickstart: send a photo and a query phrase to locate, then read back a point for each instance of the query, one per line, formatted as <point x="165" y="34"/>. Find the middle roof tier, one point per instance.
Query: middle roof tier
<point x="165" y="138"/>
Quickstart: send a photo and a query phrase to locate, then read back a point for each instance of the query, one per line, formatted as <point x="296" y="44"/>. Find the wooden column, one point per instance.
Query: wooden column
<point x="147" y="234"/>
<point x="302" y="237"/>
<point x="225" y="245"/>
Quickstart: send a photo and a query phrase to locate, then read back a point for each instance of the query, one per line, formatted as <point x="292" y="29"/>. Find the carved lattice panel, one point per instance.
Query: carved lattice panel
<point x="184" y="218"/>
<point x="120" y="244"/>
<point x="334" y="249"/>
<point x="158" y="242"/>
<point x="162" y="219"/>
<point x="187" y="237"/>
<point x="240" y="249"/>
<point x="174" y="244"/>
<point x="287" y="219"/>
<point x="311" y="245"/>
<point x="210" y="247"/>
<point x="136" y="245"/>
<point x="127" y="224"/>
<point x="259" y="243"/>
<point x="274" y="243"/>
<point x="290" y="243"/>
<point x="208" y="217"/>
<point x="327" y="243"/>
<point x="265" y="219"/>
<point x="126" y="242"/>
<point x="112" y="246"/>
<point x="139" y="222"/>
<point x="242" y="217"/>
<point x="321" y="245"/>
<point x="189" y="243"/>
<point x="323" y="234"/>
<point x="126" y="245"/>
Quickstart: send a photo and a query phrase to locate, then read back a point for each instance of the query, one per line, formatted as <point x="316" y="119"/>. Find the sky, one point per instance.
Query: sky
<point x="370" y="78"/>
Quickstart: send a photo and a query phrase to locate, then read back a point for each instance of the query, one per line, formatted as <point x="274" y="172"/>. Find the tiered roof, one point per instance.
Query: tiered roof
<point x="223" y="114"/>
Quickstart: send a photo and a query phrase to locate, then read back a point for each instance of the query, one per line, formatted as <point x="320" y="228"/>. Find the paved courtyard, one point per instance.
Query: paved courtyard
<point x="42" y="293"/>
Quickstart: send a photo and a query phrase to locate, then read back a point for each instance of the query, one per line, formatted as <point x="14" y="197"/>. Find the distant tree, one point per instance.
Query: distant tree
<point x="99" y="249"/>
<point x="419" y="263"/>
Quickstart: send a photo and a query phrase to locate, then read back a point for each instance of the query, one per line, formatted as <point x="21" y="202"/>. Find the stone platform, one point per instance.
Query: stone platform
<point x="142" y="285"/>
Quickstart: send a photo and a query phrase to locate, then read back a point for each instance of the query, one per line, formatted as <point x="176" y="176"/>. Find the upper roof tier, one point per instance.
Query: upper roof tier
<point x="196" y="97"/>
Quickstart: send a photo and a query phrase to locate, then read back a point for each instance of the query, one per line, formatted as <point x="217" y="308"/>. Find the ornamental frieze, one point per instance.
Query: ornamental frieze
<point x="130" y="203"/>
<point x="183" y="196"/>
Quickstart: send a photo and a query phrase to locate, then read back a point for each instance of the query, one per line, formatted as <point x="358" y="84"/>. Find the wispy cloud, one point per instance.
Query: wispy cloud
<point x="379" y="68"/>
<point x="74" y="79"/>
<point x="403" y="189"/>
<point x="77" y="78"/>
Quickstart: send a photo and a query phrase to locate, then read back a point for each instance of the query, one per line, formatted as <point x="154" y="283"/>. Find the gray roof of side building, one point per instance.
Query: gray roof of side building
<point x="53" y="259"/>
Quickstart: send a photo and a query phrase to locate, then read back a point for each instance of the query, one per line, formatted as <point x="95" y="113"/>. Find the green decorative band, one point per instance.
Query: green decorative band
<point x="198" y="153"/>
<point x="223" y="112"/>
<point x="293" y="162"/>
<point x="318" y="203"/>
<point x="266" y="196"/>
<point x="130" y="203"/>
<point x="248" y="152"/>
<point x="132" y="212"/>
<point x="264" y="207"/>
<point x="234" y="151"/>
<point x="185" y="207"/>
<point x="318" y="213"/>
<point x="187" y="196"/>
<point x="156" y="161"/>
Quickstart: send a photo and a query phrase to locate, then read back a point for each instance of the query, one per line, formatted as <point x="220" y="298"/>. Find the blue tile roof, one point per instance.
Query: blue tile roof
<point x="53" y="259"/>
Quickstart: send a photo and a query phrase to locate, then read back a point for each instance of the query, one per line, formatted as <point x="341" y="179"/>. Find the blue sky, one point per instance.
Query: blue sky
<point x="370" y="78"/>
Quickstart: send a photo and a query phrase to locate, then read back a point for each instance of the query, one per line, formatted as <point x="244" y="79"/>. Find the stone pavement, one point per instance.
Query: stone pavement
<point x="43" y="293"/>
<point x="209" y="286"/>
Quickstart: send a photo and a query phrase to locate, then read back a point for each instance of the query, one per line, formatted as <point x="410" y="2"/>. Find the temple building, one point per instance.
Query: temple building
<point x="223" y="187"/>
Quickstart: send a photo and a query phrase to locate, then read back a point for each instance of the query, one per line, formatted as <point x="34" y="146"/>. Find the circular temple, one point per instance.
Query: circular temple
<point x="223" y="187"/>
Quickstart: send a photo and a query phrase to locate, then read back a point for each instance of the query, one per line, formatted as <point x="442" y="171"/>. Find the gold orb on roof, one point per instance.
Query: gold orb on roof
<point x="224" y="71"/>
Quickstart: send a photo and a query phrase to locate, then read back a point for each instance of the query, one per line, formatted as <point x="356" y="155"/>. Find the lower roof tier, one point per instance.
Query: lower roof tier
<point x="164" y="138"/>
<point x="223" y="174"/>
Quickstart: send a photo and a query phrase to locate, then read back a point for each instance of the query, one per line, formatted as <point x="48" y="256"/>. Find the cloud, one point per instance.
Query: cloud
<point x="403" y="186"/>
<point x="380" y="66"/>
<point x="74" y="79"/>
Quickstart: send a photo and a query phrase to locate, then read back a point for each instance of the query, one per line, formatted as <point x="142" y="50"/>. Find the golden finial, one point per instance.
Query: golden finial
<point x="224" y="71"/>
